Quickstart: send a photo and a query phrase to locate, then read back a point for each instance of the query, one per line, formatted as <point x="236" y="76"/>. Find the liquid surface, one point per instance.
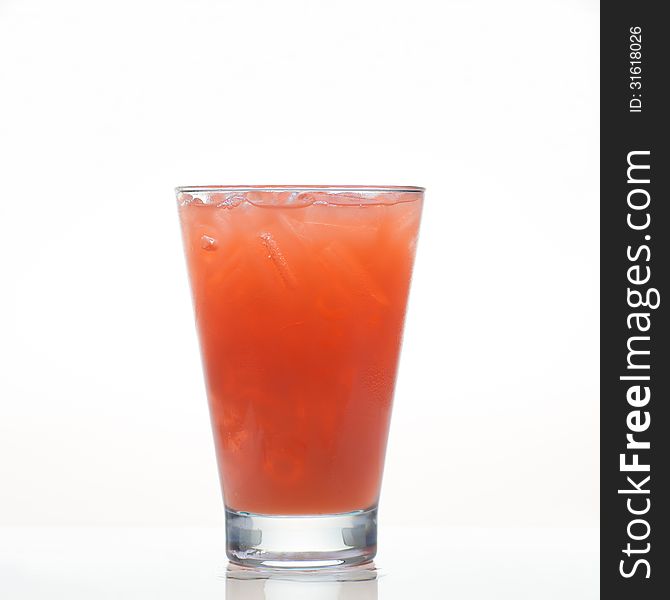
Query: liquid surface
<point x="300" y="302"/>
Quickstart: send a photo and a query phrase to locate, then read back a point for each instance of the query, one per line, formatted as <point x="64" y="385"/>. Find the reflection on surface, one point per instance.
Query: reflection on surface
<point x="351" y="583"/>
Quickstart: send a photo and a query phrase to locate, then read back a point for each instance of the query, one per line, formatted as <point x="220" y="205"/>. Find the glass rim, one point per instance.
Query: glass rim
<point x="389" y="189"/>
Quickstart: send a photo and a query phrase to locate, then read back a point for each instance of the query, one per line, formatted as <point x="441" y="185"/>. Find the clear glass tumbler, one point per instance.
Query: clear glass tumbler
<point x="300" y="296"/>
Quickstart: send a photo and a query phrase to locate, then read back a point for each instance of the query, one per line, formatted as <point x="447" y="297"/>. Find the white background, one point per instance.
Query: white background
<point x="106" y="106"/>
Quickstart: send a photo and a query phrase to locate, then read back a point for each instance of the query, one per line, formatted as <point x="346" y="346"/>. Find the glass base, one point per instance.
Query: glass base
<point x="302" y="542"/>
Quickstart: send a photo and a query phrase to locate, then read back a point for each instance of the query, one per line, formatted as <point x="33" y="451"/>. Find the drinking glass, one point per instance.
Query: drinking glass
<point x="299" y="297"/>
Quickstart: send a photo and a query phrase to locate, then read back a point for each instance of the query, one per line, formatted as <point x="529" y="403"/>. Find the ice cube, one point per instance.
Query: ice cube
<point x="295" y="226"/>
<point x="228" y="200"/>
<point x="208" y="243"/>
<point x="187" y="199"/>
<point x="184" y="199"/>
<point x="349" y="199"/>
<point x="356" y="274"/>
<point x="300" y="199"/>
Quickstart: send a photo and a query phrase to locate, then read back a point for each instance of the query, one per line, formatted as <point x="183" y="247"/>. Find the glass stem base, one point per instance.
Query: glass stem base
<point x="296" y="541"/>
